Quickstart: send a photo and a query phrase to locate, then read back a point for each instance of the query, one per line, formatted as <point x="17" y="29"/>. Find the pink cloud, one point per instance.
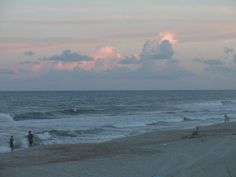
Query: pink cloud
<point x="66" y="66"/>
<point x="87" y="65"/>
<point x="168" y="36"/>
<point x="106" y="53"/>
<point x="105" y="58"/>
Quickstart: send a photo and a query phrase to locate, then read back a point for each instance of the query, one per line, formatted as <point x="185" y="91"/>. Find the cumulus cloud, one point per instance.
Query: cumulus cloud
<point x="154" y="50"/>
<point x="224" y="65"/>
<point x="106" y="52"/>
<point x="28" y="53"/>
<point x="127" y="60"/>
<point x="167" y="36"/>
<point x="107" y="59"/>
<point x="161" y="48"/>
<point x="69" y="61"/>
<point x="68" y="56"/>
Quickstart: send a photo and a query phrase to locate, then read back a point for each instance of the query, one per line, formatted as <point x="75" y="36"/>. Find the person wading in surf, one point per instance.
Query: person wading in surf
<point x="226" y="118"/>
<point x="11" y="143"/>
<point x="30" y="138"/>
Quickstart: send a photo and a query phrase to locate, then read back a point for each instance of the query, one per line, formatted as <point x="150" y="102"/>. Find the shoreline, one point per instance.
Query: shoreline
<point x="155" y="144"/>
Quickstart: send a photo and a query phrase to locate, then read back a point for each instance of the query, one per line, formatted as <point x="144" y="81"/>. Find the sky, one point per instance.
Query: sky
<point x="117" y="45"/>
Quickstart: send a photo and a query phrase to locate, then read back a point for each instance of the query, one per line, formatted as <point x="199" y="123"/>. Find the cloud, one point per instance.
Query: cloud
<point x="68" y="56"/>
<point x="127" y="60"/>
<point x="28" y="53"/>
<point x="152" y="62"/>
<point x="210" y="62"/>
<point x="159" y="49"/>
<point x="65" y="66"/>
<point x="224" y="65"/>
<point x="168" y="36"/>
<point x="154" y="50"/>
<point x="106" y="52"/>
<point x="69" y="61"/>
<point x="31" y="67"/>
<point x="229" y="51"/>
<point x="105" y="58"/>
<point x="234" y="57"/>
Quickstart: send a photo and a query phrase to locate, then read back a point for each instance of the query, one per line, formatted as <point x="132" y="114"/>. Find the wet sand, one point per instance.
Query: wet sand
<point x="165" y="153"/>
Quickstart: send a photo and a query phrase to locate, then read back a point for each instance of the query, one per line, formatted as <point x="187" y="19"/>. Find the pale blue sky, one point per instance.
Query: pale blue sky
<point x="111" y="32"/>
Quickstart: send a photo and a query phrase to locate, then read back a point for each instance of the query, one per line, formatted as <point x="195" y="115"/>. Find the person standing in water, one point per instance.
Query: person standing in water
<point x="30" y="138"/>
<point x="11" y="143"/>
<point x="226" y="118"/>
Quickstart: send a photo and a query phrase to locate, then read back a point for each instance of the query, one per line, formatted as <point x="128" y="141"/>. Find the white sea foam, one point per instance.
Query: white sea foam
<point x="5" y="118"/>
<point x="4" y="149"/>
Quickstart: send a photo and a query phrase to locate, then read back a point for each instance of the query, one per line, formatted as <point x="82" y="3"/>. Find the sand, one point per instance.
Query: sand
<point x="164" y="153"/>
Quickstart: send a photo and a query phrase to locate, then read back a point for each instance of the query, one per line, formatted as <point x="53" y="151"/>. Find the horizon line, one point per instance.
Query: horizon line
<point x="103" y="90"/>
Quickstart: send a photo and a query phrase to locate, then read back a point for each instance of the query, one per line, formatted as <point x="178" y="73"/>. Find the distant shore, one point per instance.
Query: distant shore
<point x="165" y="153"/>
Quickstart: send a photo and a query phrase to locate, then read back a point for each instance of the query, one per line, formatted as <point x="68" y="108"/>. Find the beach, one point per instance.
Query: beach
<point x="163" y="153"/>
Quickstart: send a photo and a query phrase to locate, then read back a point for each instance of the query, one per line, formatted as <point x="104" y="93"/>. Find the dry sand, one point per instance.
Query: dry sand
<point x="165" y="153"/>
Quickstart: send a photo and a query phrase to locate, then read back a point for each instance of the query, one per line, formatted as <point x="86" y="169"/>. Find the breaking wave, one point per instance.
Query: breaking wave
<point x="71" y="133"/>
<point x="6" y="118"/>
<point x="51" y="114"/>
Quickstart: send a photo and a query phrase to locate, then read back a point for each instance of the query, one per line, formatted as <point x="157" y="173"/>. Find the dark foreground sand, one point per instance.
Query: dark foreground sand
<point x="166" y="153"/>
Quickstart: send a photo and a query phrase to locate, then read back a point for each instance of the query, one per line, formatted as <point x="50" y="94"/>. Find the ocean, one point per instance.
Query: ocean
<point x="69" y="117"/>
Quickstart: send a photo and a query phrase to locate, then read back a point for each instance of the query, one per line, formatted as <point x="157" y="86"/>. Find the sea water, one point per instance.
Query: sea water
<point x="69" y="117"/>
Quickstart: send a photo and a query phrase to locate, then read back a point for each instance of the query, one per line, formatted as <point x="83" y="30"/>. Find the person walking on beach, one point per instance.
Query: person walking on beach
<point x="11" y="143"/>
<point x="30" y="138"/>
<point x="226" y="118"/>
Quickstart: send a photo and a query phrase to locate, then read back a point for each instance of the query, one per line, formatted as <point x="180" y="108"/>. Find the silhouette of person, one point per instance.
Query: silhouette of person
<point x="11" y="143"/>
<point x="226" y="118"/>
<point x="30" y="138"/>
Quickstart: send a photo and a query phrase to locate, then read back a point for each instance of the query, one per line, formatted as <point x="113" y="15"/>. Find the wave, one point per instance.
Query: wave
<point x="6" y="118"/>
<point x="71" y="133"/>
<point x="70" y="111"/>
<point x="74" y="111"/>
<point x="216" y="103"/>
<point x="209" y="103"/>
<point x="51" y="114"/>
<point x="160" y="123"/>
<point x="4" y="149"/>
<point x="185" y="119"/>
<point x="110" y="126"/>
<point x="228" y="102"/>
<point x="33" y="115"/>
<point x="189" y="111"/>
<point x="171" y="112"/>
